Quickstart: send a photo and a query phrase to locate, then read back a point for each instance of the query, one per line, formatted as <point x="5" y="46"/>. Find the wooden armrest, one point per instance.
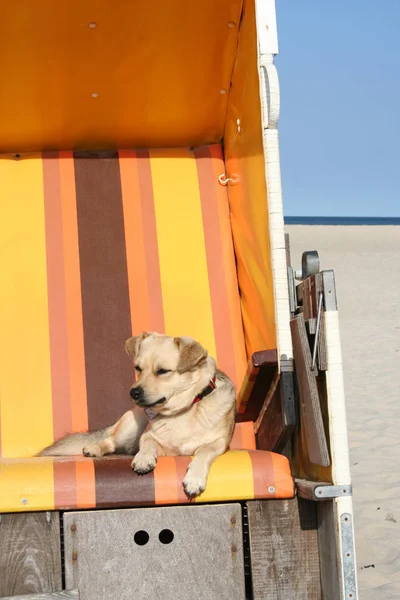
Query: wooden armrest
<point x="260" y="372"/>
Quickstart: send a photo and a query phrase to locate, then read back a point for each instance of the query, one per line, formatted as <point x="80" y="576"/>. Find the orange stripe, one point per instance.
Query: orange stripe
<point x="165" y="481"/>
<point x="248" y="435"/>
<point x="284" y="483"/>
<point x="216" y="264"/>
<point x="56" y="296"/>
<point x="236" y="441"/>
<point x="243" y="437"/>
<point x="76" y="351"/>
<point x="231" y="277"/>
<point x="134" y="239"/>
<point x="65" y="489"/>
<point x="85" y="483"/>
<point x="246" y="389"/>
<point x="150" y="242"/>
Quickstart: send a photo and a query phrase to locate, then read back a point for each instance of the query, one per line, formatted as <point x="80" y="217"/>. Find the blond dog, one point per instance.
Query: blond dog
<point x="184" y="406"/>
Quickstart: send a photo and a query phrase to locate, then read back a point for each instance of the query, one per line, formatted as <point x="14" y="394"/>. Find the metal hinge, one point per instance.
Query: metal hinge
<point x="312" y="490"/>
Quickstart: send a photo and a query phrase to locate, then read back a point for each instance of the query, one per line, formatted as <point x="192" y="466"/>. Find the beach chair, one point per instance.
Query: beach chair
<point x="140" y="191"/>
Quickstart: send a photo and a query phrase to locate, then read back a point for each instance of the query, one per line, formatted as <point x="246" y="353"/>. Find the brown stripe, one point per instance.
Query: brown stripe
<point x="150" y="242"/>
<point x="60" y="383"/>
<point x="215" y="264"/>
<point x="105" y="295"/>
<point x="284" y="482"/>
<point x="64" y="484"/>
<point x="118" y="485"/>
<point x="263" y="474"/>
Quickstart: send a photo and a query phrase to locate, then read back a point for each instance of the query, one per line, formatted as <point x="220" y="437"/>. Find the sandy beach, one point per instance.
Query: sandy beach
<point x="366" y="261"/>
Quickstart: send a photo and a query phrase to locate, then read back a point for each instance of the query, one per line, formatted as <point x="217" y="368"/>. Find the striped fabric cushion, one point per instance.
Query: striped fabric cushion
<point x="93" y="249"/>
<point x="64" y="483"/>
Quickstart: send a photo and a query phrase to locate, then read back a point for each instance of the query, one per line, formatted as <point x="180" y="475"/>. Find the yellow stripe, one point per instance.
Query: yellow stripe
<point x="25" y="378"/>
<point x="181" y="247"/>
<point x="26" y="485"/>
<point x="231" y="476"/>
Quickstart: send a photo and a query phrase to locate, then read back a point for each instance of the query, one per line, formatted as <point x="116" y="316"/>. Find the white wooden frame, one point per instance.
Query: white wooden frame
<point x="342" y="512"/>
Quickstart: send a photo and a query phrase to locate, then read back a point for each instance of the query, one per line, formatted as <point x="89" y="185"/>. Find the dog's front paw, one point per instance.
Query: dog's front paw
<point x="194" y="484"/>
<point x="143" y="464"/>
<point x="92" y="450"/>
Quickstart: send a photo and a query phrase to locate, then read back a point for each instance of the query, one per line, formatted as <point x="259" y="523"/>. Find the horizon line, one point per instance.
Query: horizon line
<point x="320" y="220"/>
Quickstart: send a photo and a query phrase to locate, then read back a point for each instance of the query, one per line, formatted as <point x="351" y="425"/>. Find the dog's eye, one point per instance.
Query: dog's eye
<point x="138" y="369"/>
<point x="163" y="371"/>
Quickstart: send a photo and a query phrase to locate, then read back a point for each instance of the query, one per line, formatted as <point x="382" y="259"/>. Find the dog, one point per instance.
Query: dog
<point x="184" y="406"/>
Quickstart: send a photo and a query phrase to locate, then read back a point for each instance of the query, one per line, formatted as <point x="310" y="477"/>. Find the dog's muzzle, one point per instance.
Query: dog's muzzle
<point x="137" y="394"/>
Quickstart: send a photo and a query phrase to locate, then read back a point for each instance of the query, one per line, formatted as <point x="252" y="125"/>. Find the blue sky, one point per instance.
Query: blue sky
<point x="339" y="72"/>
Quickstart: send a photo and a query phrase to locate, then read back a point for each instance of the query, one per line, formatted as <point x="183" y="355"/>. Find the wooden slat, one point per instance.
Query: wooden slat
<point x="308" y="296"/>
<point x="65" y="595"/>
<point x="279" y="419"/>
<point x="284" y="550"/>
<point x="306" y="489"/>
<point x="204" y="559"/>
<point x="264" y="364"/>
<point x="309" y="398"/>
<point x="30" y="555"/>
<point x="265" y="358"/>
<point x="328" y="550"/>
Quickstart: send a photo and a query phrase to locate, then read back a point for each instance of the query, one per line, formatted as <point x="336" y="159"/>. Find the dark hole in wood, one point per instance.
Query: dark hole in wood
<point x="141" y="538"/>
<point x="166" y="536"/>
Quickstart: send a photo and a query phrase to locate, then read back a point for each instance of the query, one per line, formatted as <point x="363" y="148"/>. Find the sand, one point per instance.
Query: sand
<point x="366" y="261"/>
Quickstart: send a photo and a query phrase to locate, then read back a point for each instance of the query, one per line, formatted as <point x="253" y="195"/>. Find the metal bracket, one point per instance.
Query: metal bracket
<point x="323" y="492"/>
<point x="349" y="567"/>
<point x="314" y="490"/>
<point x="316" y="339"/>
<point x="292" y="290"/>
<point x="328" y="279"/>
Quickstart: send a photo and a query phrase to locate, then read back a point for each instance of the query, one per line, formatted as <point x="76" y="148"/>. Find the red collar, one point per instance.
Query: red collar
<point x="207" y="390"/>
<point x="210" y="388"/>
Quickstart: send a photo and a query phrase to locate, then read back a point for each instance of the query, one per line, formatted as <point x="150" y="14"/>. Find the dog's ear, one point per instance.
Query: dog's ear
<point x="132" y="345"/>
<point x="192" y="354"/>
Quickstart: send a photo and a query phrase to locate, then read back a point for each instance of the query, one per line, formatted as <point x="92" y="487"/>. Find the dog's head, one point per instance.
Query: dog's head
<point x="166" y="369"/>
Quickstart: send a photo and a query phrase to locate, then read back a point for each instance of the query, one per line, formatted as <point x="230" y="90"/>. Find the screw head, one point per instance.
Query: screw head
<point x="271" y="489"/>
<point x="24" y="501"/>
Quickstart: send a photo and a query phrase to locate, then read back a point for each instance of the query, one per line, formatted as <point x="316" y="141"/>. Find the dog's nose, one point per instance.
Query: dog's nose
<point x="137" y="394"/>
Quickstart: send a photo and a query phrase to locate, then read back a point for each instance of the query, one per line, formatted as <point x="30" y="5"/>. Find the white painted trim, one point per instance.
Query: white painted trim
<point x="270" y="105"/>
<point x="270" y="92"/>
<point x="266" y="26"/>
<point x="336" y="401"/>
